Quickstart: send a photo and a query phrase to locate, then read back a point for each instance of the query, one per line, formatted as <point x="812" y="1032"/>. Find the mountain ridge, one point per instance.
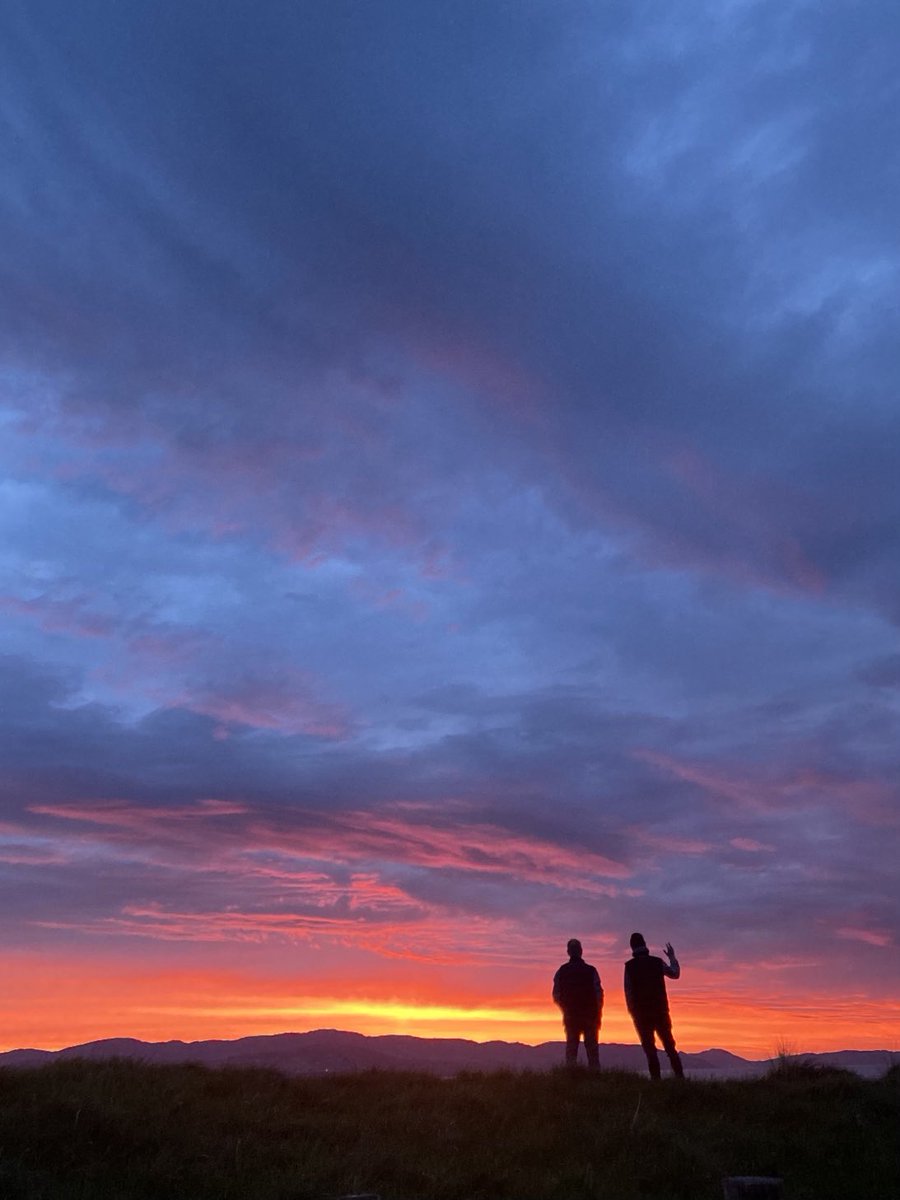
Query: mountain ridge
<point x="332" y="1051"/>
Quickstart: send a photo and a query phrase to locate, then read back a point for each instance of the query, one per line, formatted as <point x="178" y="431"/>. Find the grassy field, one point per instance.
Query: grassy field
<point x="124" y="1131"/>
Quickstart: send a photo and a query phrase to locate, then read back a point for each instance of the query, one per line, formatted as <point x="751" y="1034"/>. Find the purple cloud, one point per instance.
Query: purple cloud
<point x="461" y="443"/>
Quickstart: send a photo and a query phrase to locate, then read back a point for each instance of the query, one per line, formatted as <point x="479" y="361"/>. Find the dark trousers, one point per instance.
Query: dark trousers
<point x="578" y="1027"/>
<point x="647" y="1026"/>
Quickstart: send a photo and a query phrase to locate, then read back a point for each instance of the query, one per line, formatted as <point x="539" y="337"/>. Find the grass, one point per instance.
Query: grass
<point x="125" y="1131"/>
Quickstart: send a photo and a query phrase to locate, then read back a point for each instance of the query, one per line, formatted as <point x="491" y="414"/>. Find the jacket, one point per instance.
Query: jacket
<point x="577" y="988"/>
<point x="645" y="983"/>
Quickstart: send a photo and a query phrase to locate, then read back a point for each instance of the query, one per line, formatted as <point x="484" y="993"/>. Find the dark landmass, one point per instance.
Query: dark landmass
<point x="115" y="1129"/>
<point x="329" y="1051"/>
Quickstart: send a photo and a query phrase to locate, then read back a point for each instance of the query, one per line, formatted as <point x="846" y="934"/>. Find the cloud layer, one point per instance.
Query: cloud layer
<point x="449" y="492"/>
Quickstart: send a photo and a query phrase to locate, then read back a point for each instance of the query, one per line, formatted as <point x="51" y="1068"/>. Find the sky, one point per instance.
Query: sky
<point x="450" y="504"/>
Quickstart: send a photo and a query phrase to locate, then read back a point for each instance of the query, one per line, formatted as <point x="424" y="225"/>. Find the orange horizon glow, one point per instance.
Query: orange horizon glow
<point x="53" y="1005"/>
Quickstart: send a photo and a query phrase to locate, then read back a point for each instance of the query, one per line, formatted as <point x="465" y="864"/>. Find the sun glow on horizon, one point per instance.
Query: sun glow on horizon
<point x="52" y="1003"/>
<point x="395" y="1010"/>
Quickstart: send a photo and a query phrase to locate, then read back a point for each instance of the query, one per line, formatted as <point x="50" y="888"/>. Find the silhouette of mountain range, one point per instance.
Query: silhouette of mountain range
<point x="323" y="1051"/>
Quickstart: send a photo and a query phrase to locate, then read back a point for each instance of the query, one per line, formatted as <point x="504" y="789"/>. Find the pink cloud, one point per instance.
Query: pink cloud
<point x="201" y="833"/>
<point x="873" y="937"/>
<point x="329" y="524"/>
<point x="720" y="786"/>
<point x="753" y="509"/>
<point x="284" y="706"/>
<point x="181" y="669"/>
<point x="395" y="599"/>
<point x="169" y="647"/>
<point x="301" y="514"/>
<point x="71" y="616"/>
<point x="670" y="843"/>
<point x="226" y="837"/>
<point x="484" y="370"/>
<point x="424" y="935"/>
<point x="463" y="846"/>
<point x="806" y="788"/>
<point x="286" y="702"/>
<point x="870" y="800"/>
<point x="755" y="551"/>
<point x="134" y="816"/>
<point x="31" y="856"/>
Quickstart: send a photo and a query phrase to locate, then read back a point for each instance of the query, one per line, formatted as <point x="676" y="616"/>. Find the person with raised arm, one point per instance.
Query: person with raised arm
<point x="648" y="1002"/>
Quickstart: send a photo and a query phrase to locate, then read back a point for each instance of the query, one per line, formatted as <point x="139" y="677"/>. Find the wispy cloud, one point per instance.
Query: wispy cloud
<point x="449" y="486"/>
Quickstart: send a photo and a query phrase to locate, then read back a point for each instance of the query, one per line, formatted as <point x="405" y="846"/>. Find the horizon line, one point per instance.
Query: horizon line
<point x="778" y="1054"/>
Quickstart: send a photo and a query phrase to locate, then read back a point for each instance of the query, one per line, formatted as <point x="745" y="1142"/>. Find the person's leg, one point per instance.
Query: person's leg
<point x="591" y="1032"/>
<point x="573" y="1033"/>
<point x="668" y="1042"/>
<point x="648" y="1045"/>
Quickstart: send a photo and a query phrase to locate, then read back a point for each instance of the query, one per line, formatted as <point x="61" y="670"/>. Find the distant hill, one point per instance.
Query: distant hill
<point x="325" y="1051"/>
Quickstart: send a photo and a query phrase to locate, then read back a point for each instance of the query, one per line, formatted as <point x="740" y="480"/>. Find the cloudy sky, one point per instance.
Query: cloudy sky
<point x="450" y="503"/>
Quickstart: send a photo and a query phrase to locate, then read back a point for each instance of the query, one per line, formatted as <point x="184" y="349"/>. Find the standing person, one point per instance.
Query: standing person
<point x="578" y="992"/>
<point x="648" y="1003"/>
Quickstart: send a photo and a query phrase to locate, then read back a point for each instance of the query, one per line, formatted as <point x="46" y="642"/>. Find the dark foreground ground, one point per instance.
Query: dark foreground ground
<point x="125" y="1131"/>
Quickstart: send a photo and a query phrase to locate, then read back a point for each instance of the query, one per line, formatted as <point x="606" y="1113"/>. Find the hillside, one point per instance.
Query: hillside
<point x="81" y="1130"/>
<point x="325" y="1051"/>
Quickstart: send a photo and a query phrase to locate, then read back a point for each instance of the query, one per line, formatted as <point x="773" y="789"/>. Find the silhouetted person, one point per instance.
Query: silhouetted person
<point x="648" y="1003"/>
<point x="577" y="991"/>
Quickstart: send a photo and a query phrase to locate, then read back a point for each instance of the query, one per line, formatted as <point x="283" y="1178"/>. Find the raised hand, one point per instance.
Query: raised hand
<point x="670" y="951"/>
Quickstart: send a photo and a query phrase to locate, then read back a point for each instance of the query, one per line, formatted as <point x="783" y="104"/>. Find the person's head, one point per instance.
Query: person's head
<point x="637" y="942"/>
<point x="573" y="948"/>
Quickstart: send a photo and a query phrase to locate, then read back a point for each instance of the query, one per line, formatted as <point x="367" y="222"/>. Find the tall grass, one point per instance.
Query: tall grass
<point x="124" y="1131"/>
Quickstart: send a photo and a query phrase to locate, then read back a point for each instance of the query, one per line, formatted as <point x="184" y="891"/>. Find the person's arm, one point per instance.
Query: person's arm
<point x="556" y="997"/>
<point x="672" y="969"/>
<point x="628" y="993"/>
<point x="598" y="991"/>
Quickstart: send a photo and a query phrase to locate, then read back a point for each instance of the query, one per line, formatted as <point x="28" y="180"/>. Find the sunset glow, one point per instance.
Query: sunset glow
<point x="51" y="1006"/>
<point x="449" y="504"/>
